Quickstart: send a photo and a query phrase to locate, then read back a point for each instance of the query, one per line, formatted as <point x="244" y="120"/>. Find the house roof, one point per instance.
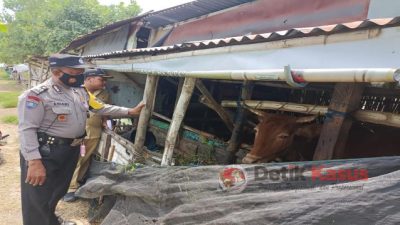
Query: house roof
<point x="257" y="38"/>
<point x="163" y="17"/>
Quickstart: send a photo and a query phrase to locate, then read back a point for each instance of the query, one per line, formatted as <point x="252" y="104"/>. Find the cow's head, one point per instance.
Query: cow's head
<point x="275" y="133"/>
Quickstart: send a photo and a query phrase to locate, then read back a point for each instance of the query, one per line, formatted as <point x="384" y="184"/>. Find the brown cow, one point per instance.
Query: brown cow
<point x="283" y="135"/>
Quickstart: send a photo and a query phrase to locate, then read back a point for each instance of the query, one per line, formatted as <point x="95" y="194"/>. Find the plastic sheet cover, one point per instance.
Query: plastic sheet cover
<point x="359" y="191"/>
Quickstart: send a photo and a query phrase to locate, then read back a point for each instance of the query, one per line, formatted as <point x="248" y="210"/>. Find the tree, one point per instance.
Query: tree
<point x="41" y="27"/>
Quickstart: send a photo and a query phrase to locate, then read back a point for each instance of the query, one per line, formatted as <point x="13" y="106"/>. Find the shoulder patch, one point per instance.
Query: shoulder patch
<point x="39" y="89"/>
<point x="32" y="101"/>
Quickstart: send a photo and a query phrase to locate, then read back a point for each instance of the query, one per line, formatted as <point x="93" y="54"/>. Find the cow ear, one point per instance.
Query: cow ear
<point x="306" y="119"/>
<point x="309" y="131"/>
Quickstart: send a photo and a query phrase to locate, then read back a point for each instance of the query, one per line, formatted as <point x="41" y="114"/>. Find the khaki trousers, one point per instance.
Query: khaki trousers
<point x="83" y="163"/>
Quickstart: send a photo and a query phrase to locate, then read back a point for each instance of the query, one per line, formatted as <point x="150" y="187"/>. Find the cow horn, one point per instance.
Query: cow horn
<point x="306" y="119"/>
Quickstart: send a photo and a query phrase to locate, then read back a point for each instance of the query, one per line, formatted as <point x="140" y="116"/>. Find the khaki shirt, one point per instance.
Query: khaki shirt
<point x="56" y="110"/>
<point x="94" y="122"/>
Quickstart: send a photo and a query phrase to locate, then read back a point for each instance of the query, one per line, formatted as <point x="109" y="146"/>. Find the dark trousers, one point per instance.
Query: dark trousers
<point x="39" y="202"/>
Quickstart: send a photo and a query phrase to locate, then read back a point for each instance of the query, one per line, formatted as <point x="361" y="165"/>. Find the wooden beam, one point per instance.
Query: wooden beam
<point x="205" y="134"/>
<point x="382" y="118"/>
<point x="234" y="141"/>
<point x="177" y="118"/>
<point x="145" y="115"/>
<point x="332" y="141"/>
<point x="209" y="101"/>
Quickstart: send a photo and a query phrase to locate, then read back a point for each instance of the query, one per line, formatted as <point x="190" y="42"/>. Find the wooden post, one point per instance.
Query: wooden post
<point x="234" y="142"/>
<point x="179" y="90"/>
<point x="209" y="101"/>
<point x="177" y="118"/>
<point x="345" y="100"/>
<point x="144" y="118"/>
<point x="41" y="72"/>
<point x="106" y="149"/>
<point x="30" y="75"/>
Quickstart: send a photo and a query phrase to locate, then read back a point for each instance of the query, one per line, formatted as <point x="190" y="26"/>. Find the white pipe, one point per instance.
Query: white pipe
<point x="305" y="75"/>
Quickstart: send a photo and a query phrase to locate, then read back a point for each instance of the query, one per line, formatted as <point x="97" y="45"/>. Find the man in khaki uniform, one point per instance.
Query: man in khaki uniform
<point x="52" y="119"/>
<point x="95" y="81"/>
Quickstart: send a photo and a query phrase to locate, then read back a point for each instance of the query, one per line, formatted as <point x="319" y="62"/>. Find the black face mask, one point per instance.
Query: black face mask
<point x="72" y="81"/>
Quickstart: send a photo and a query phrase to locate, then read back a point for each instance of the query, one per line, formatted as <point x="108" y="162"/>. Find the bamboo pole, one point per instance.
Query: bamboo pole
<point x="177" y="118"/>
<point x="145" y="115"/>
<point x="352" y="75"/>
<point x="383" y="118"/>
<point x="209" y="101"/>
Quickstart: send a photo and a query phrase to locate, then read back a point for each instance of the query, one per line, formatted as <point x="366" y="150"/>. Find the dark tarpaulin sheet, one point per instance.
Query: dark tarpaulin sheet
<point x="280" y="193"/>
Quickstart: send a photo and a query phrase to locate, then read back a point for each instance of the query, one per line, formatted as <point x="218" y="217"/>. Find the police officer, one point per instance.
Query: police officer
<point x="52" y="119"/>
<point x="95" y="81"/>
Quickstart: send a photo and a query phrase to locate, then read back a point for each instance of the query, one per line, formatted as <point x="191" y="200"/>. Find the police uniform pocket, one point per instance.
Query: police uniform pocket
<point x="62" y="113"/>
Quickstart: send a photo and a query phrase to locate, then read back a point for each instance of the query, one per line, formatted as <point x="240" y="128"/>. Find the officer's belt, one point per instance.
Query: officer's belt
<point x="44" y="138"/>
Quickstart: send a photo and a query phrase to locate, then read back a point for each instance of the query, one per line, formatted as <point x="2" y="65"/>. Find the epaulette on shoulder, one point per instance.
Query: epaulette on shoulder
<point x="39" y="89"/>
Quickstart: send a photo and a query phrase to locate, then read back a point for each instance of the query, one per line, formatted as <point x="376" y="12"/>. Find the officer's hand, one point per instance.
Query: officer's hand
<point x="136" y="111"/>
<point x="36" y="172"/>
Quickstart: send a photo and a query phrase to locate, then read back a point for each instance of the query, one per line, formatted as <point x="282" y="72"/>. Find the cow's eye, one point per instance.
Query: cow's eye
<point x="283" y="136"/>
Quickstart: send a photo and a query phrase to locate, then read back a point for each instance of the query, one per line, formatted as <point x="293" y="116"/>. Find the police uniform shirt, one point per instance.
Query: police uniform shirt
<point x="57" y="111"/>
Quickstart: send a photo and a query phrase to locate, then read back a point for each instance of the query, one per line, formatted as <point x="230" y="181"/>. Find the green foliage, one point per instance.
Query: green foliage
<point x="9" y="119"/>
<point x="4" y="75"/>
<point x="9" y="99"/>
<point x="206" y="157"/>
<point x="131" y="167"/>
<point x="37" y="27"/>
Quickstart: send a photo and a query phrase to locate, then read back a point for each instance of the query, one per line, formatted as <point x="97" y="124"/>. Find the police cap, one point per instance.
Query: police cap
<point x="96" y="73"/>
<point x="65" y="60"/>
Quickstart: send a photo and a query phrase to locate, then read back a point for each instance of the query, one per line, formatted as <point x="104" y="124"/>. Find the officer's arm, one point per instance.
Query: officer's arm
<point x="98" y="107"/>
<point x="30" y="115"/>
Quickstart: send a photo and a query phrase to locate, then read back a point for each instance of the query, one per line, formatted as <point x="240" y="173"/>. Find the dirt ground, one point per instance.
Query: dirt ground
<point x="10" y="205"/>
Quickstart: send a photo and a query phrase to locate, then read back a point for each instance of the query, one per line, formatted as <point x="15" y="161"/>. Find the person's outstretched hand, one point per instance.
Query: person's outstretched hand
<point x="136" y="110"/>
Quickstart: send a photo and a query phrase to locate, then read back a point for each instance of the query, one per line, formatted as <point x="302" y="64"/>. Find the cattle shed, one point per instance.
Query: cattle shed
<point x="325" y="70"/>
<point x="205" y="66"/>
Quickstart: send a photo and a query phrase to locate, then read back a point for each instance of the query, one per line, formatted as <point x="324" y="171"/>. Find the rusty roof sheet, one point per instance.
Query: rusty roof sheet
<point x="256" y="38"/>
<point x="163" y="17"/>
<point x="189" y="10"/>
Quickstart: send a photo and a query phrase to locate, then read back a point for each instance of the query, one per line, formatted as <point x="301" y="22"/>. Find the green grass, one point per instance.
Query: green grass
<point x="9" y="99"/>
<point x="9" y="119"/>
<point x="3" y="75"/>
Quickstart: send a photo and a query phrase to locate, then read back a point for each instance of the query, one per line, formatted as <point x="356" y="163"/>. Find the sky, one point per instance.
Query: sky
<point x="148" y="5"/>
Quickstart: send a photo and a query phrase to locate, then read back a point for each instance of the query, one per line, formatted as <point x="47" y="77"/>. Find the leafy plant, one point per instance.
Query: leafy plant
<point x="131" y="167"/>
<point x="37" y="27"/>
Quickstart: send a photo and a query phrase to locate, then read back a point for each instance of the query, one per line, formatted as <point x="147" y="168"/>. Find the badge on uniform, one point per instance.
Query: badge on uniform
<point x="32" y="102"/>
<point x="62" y="118"/>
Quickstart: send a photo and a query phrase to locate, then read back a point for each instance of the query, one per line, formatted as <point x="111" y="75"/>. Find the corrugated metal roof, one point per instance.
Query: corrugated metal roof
<point x="163" y="17"/>
<point x="248" y="39"/>
<point x="189" y="10"/>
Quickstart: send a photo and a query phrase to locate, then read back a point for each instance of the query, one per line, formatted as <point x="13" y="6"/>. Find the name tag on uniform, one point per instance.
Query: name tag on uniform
<point x="61" y="104"/>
